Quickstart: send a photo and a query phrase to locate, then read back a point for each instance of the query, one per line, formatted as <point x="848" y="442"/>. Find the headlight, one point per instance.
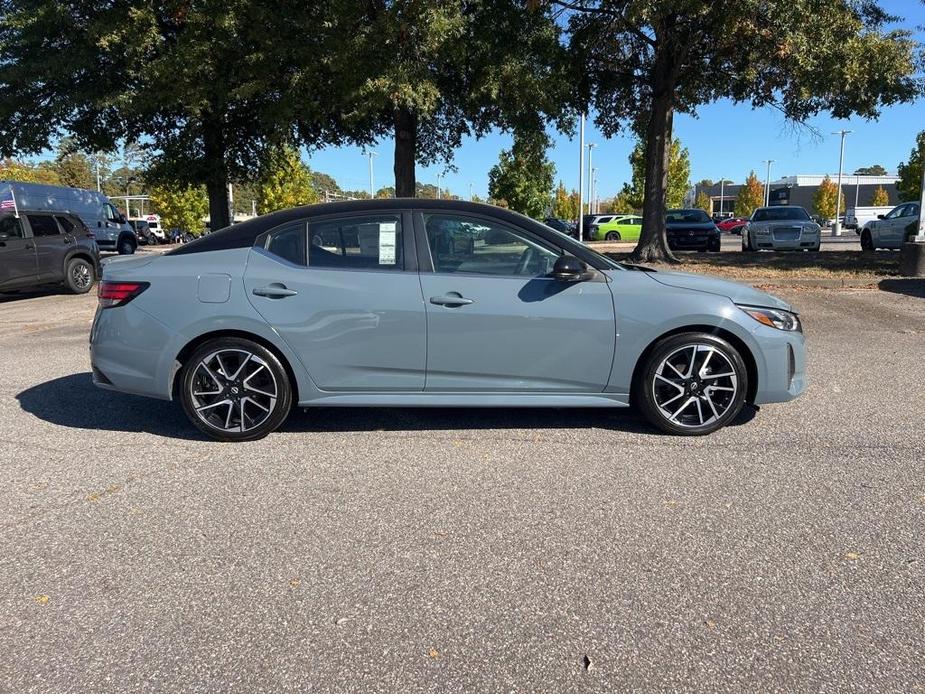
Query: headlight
<point x="761" y="230"/>
<point x="775" y="318"/>
<point x="811" y="229"/>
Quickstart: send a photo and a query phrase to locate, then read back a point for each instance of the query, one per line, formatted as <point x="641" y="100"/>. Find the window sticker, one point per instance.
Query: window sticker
<point x="387" y="243"/>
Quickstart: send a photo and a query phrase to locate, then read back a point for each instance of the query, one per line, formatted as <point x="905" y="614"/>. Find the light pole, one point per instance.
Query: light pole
<point x="857" y="189"/>
<point x="581" y="187"/>
<point x="920" y="236"/>
<point x="470" y="191"/>
<point x="836" y="230"/>
<point x="722" y="196"/>
<point x="591" y="147"/>
<point x="767" y="182"/>
<point x="595" y="207"/>
<point x="439" y="176"/>
<point x="371" y="154"/>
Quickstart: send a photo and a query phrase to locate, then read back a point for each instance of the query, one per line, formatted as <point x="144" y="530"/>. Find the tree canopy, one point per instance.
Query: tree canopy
<point x="824" y="199"/>
<point x="909" y="184"/>
<point x="881" y="197"/>
<point x="875" y="170"/>
<point x="284" y="182"/>
<point x="750" y="197"/>
<point x="523" y="176"/>
<point x="679" y="169"/>
<point x="645" y="61"/>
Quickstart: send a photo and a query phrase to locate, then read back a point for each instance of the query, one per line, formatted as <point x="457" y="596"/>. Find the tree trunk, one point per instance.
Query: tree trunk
<point x="217" y="174"/>
<point x="406" y="136"/>
<point x="653" y="244"/>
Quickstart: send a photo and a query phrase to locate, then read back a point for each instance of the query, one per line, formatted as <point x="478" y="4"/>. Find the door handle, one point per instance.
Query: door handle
<point x="274" y="291"/>
<point x="450" y="300"/>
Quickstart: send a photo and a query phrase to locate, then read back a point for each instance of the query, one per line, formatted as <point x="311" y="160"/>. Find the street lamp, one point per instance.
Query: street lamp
<point x="581" y="187"/>
<point x="595" y="208"/>
<point x="722" y="196"/>
<point x="767" y="182"/>
<point x="439" y="176"/>
<point x="470" y="191"/>
<point x="591" y="147"/>
<point x="836" y="231"/>
<point x="371" y="154"/>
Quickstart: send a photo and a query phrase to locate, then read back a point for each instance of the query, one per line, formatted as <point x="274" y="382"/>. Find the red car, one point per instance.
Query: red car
<point x="733" y="225"/>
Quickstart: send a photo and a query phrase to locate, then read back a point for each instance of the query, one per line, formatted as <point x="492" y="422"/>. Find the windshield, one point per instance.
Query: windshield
<point x="772" y="214"/>
<point x="687" y="217"/>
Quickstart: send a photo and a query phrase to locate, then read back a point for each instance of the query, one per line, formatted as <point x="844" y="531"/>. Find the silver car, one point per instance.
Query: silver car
<point x="431" y="303"/>
<point x="781" y="228"/>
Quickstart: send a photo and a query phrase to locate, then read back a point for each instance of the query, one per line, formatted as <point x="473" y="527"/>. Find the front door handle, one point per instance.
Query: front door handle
<point x="451" y="300"/>
<point x="274" y="291"/>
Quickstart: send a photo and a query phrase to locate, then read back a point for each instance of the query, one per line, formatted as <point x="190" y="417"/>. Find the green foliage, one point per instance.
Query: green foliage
<point x="679" y="169"/>
<point x="565" y="204"/>
<point x="523" y="176"/>
<point x="881" y="197"/>
<point x="705" y="183"/>
<point x="751" y="196"/>
<point x="386" y="192"/>
<point x="621" y="204"/>
<point x="284" y="182"/>
<point x="704" y="202"/>
<point x="12" y="170"/>
<point x="180" y="207"/>
<point x="909" y="184"/>
<point x="824" y="198"/>
<point x="875" y="170"/>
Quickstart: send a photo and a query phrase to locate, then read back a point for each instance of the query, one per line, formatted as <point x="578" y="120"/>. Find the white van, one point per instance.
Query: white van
<point x="109" y="226"/>
<point x="856" y="218"/>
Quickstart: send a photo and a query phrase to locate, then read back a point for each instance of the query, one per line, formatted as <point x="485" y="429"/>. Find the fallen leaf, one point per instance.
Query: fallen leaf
<point x="433" y="653"/>
<point x="41" y="599"/>
<point x="852" y="556"/>
<point x="294" y="582"/>
<point x="710" y="624"/>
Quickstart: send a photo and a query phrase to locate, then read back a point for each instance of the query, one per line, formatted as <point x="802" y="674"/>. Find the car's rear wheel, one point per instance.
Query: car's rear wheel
<point x="692" y="384"/>
<point x="79" y="276"/>
<point x="233" y="389"/>
<point x="867" y="241"/>
<point x="613" y="236"/>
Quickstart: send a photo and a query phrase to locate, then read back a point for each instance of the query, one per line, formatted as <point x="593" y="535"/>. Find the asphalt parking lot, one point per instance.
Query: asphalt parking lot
<point x="450" y="550"/>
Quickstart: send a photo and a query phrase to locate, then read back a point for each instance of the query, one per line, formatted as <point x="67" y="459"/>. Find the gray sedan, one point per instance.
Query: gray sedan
<point x="431" y="303"/>
<point x="781" y="228"/>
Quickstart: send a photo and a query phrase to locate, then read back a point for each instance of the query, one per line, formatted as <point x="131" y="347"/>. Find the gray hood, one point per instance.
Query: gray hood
<point x="739" y="293"/>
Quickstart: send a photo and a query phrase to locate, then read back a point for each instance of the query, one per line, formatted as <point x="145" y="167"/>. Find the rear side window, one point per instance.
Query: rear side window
<point x="43" y="225"/>
<point x="66" y="225"/>
<point x="288" y="243"/>
<point x="372" y="242"/>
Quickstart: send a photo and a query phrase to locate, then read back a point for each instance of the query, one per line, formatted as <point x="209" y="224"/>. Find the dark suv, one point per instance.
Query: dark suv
<point x="44" y="248"/>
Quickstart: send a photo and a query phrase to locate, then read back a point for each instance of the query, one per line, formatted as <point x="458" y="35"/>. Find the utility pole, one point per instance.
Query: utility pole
<point x="591" y="147"/>
<point x="470" y="191"/>
<point x="370" y="154"/>
<point x="767" y="182"/>
<point x="595" y="203"/>
<point x="581" y="187"/>
<point x="722" y="195"/>
<point x="857" y="189"/>
<point x="836" y="230"/>
<point x="920" y="236"/>
<point x="439" y="176"/>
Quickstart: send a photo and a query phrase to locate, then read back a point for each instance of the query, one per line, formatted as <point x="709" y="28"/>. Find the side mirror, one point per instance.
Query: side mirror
<point x="881" y="216"/>
<point x="568" y="268"/>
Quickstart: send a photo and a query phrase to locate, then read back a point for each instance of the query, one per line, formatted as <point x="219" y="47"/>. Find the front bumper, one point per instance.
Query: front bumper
<point x="784" y="368"/>
<point x="683" y="241"/>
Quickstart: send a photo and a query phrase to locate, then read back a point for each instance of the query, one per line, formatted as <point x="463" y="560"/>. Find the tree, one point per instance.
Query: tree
<point x="704" y="183"/>
<point x="180" y="207"/>
<point x="430" y="73"/>
<point x="324" y="182"/>
<point x="208" y="87"/>
<point x="645" y="61"/>
<point x="750" y="197"/>
<point x="386" y="192"/>
<point x="704" y="202"/>
<point x="523" y="176"/>
<point x="621" y="204"/>
<point x="284" y="182"/>
<point x="881" y="197"/>
<point x="565" y="205"/>
<point x="74" y="168"/>
<point x="909" y="184"/>
<point x="824" y="198"/>
<point x="12" y="170"/>
<point x="875" y="170"/>
<point x="678" y="170"/>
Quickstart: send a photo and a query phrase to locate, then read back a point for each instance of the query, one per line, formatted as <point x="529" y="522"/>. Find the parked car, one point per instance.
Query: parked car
<point x="857" y="217"/>
<point x="142" y="232"/>
<point x="41" y="248"/>
<point x="781" y="228"/>
<point x="561" y="226"/>
<point x="109" y="226"/>
<point x="691" y="229"/>
<point x="592" y="219"/>
<point x="890" y="230"/>
<point x="732" y="225"/>
<point x="620" y="228"/>
<point x="400" y="303"/>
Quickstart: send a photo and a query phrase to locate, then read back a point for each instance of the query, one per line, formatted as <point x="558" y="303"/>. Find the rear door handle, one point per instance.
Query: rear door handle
<point x="274" y="291"/>
<point x="450" y="300"/>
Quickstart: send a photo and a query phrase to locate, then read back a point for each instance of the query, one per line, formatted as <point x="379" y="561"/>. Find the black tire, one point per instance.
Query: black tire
<point x="267" y="376"/>
<point x="867" y="241"/>
<point x="698" y="411"/>
<point x="126" y="245"/>
<point x="715" y="247"/>
<point x="79" y="275"/>
<point x="613" y="236"/>
<point x="747" y="244"/>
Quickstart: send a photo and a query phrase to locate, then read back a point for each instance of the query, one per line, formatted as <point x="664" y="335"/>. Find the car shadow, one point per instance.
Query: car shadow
<point x="24" y="294"/>
<point x="73" y="401"/>
<point x="909" y="287"/>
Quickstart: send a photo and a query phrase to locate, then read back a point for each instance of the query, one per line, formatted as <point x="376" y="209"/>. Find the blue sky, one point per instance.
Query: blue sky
<point x="724" y="140"/>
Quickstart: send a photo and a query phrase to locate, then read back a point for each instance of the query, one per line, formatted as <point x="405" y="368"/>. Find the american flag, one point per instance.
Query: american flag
<point x="8" y="201"/>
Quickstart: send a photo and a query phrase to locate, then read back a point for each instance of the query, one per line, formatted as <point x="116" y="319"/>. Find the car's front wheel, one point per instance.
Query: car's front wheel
<point x="233" y="389"/>
<point x="692" y="384"/>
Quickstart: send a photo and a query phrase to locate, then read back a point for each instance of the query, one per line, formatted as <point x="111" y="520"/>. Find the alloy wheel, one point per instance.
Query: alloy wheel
<point x="233" y="390"/>
<point x="695" y="385"/>
<point x="81" y="276"/>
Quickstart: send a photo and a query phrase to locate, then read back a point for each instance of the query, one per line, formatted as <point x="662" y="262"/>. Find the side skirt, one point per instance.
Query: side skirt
<point x="418" y="399"/>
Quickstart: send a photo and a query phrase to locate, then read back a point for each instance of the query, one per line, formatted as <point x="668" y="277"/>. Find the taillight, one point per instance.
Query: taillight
<point x="112" y="294"/>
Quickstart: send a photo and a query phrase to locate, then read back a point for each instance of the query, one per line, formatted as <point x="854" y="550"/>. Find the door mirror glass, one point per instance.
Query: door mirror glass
<point x="568" y="268"/>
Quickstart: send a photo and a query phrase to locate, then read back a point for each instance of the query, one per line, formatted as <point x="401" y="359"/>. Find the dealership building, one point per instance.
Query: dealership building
<point x="800" y="189"/>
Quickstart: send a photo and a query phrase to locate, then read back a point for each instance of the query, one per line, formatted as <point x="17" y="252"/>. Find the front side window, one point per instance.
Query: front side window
<point x="43" y="225"/>
<point x="470" y="245"/>
<point x="372" y="242"/>
<point x="11" y="227"/>
<point x="896" y="212"/>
